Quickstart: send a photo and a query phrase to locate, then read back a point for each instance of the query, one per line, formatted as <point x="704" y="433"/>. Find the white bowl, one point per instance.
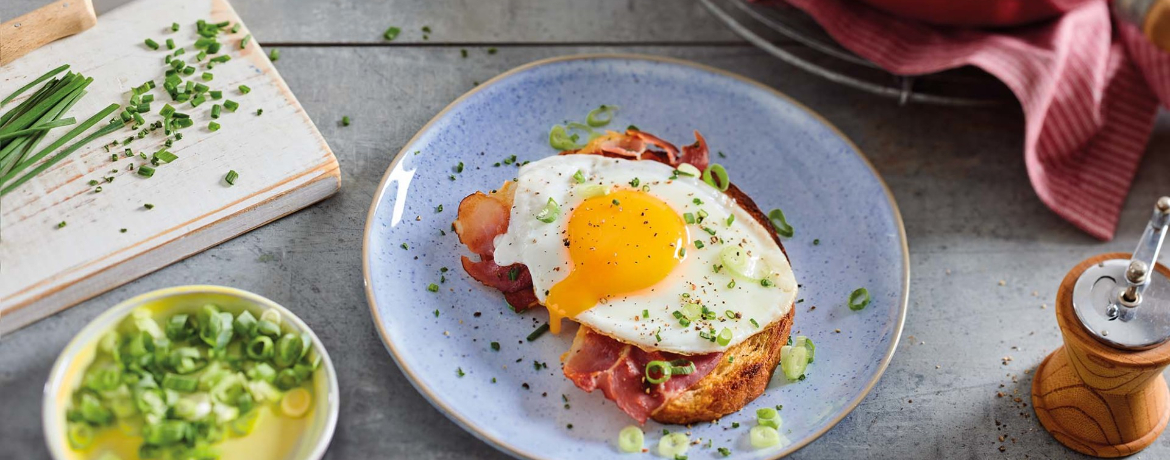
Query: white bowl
<point x="79" y="353"/>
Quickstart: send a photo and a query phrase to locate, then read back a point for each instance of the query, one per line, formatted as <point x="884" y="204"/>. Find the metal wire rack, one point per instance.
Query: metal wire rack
<point x="794" y="37"/>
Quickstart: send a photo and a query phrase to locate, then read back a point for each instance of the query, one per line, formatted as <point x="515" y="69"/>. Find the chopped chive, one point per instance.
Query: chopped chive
<point x="345" y="120"/>
<point x="62" y="225"/>
<point x="216" y="95"/>
<point x="459" y="372"/>
<point x="201" y="56"/>
<point x="491" y="51"/>
<point x="189" y="70"/>
<point x="538" y="332"/>
<point x="436" y="313"/>
<point x="404" y="246"/>
<point x="816" y="241"/>
<point x="754" y="323"/>
<point x="148" y="206"/>
<point x="698" y="244"/>
<point x="244" y="89"/>
<point x="165" y="156"/>
<point x="213" y="126"/>
<point x="231" y="105"/>
<point x="145" y="171"/>
<point x="174" y="27"/>
<point x="463" y="53"/>
<point x="207" y="76"/>
<point x="439" y="208"/>
<point x="259" y="112"/>
<point x="231" y="177"/>
<point x="730" y="219"/>
<point x="496" y="346"/>
<point x="170" y="44"/>
<point x="433" y="287"/>
<point x="236" y="28"/>
<point x="391" y="33"/>
<point x="459" y="167"/>
<point x="689" y="218"/>
<point x="151" y="44"/>
<point x="274" y="55"/>
<point x="215" y="110"/>
<point x="245" y="40"/>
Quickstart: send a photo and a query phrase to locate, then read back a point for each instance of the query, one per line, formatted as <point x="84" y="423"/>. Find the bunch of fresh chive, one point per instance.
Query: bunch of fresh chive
<point x="186" y="382"/>
<point x="23" y="127"/>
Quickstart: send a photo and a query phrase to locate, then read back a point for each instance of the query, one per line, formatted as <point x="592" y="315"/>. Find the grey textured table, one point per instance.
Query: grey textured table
<point x="986" y="254"/>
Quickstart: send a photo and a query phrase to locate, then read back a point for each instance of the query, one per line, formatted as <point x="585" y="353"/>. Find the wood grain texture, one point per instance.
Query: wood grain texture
<point x="42" y="26"/>
<point x="1096" y="399"/>
<point x="283" y="162"/>
<point x="1157" y="25"/>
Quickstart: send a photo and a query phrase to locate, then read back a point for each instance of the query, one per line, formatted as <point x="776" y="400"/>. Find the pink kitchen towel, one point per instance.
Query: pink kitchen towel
<point x="1089" y="87"/>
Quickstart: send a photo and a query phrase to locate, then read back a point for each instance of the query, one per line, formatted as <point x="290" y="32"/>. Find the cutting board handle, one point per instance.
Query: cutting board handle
<point x="44" y="25"/>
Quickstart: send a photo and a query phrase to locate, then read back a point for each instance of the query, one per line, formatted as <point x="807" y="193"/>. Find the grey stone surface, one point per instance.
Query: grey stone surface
<point x="958" y="175"/>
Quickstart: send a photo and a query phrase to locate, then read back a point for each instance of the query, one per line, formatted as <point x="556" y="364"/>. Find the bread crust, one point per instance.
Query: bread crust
<point x="733" y="383"/>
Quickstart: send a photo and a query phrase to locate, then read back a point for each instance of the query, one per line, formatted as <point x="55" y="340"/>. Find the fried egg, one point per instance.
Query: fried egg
<point x="644" y="254"/>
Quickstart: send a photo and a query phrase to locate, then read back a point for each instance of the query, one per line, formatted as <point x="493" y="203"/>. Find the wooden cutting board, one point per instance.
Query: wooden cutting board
<point x="283" y="163"/>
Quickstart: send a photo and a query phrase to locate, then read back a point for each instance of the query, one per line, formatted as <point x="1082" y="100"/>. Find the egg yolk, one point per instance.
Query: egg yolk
<point x="619" y="243"/>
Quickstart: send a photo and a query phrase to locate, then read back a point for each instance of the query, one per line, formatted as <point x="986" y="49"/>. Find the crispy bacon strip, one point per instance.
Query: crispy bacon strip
<point x="696" y="154"/>
<point x="597" y="361"/>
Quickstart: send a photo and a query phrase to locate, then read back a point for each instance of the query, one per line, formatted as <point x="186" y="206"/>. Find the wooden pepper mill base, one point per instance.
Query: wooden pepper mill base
<point x="1096" y="399"/>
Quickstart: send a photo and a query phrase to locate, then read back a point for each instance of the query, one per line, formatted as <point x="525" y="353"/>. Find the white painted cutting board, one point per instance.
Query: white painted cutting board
<point x="282" y="161"/>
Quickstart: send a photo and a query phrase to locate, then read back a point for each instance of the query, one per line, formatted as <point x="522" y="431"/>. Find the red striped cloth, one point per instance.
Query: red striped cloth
<point x="1089" y="89"/>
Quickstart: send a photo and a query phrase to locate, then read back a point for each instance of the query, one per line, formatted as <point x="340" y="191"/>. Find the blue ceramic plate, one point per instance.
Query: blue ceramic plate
<point x="777" y="151"/>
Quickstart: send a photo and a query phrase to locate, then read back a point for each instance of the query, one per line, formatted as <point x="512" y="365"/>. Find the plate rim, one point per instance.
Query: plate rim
<point x="502" y="446"/>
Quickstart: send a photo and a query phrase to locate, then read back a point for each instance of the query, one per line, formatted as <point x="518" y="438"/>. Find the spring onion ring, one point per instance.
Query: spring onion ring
<point x="716" y="176"/>
<point x="673" y="445"/>
<point x="793" y="361"/>
<point x="600" y="116"/>
<point x="631" y="439"/>
<point x="550" y="212"/>
<point x="858" y="299"/>
<point x="724" y="337"/>
<point x="764" y="436"/>
<point x="661" y="368"/>
<point x="780" y="223"/>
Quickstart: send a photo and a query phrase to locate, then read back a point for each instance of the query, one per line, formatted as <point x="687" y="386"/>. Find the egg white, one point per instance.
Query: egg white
<point x="540" y="246"/>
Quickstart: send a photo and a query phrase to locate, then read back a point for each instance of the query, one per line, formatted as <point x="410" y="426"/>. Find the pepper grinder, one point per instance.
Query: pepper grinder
<point x="1103" y="393"/>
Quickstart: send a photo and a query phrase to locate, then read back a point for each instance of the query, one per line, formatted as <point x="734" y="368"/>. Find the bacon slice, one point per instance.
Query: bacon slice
<point x="696" y="154"/>
<point x="597" y="361"/>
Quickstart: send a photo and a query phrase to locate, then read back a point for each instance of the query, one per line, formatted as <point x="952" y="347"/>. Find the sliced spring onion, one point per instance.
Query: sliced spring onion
<point x="716" y="176"/>
<point x="658" y="372"/>
<point x="793" y="361"/>
<point x="274" y="55"/>
<point x="724" y="337"/>
<point x="600" y="116"/>
<point x="688" y="169"/>
<point x="81" y="435"/>
<point x="681" y="367"/>
<point x="768" y="417"/>
<point x="550" y="212"/>
<point x="802" y="341"/>
<point x="764" y="436"/>
<point x="579" y="177"/>
<point x="244" y="41"/>
<point x="780" y="223"/>
<point x="858" y="299"/>
<point x="296" y="402"/>
<point x="151" y="44"/>
<point x="673" y="445"/>
<point x="560" y="139"/>
<point x="631" y="439"/>
<point x="231" y="177"/>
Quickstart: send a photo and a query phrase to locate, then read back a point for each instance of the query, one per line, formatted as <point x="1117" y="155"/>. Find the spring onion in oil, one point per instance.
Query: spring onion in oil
<point x="183" y="381"/>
